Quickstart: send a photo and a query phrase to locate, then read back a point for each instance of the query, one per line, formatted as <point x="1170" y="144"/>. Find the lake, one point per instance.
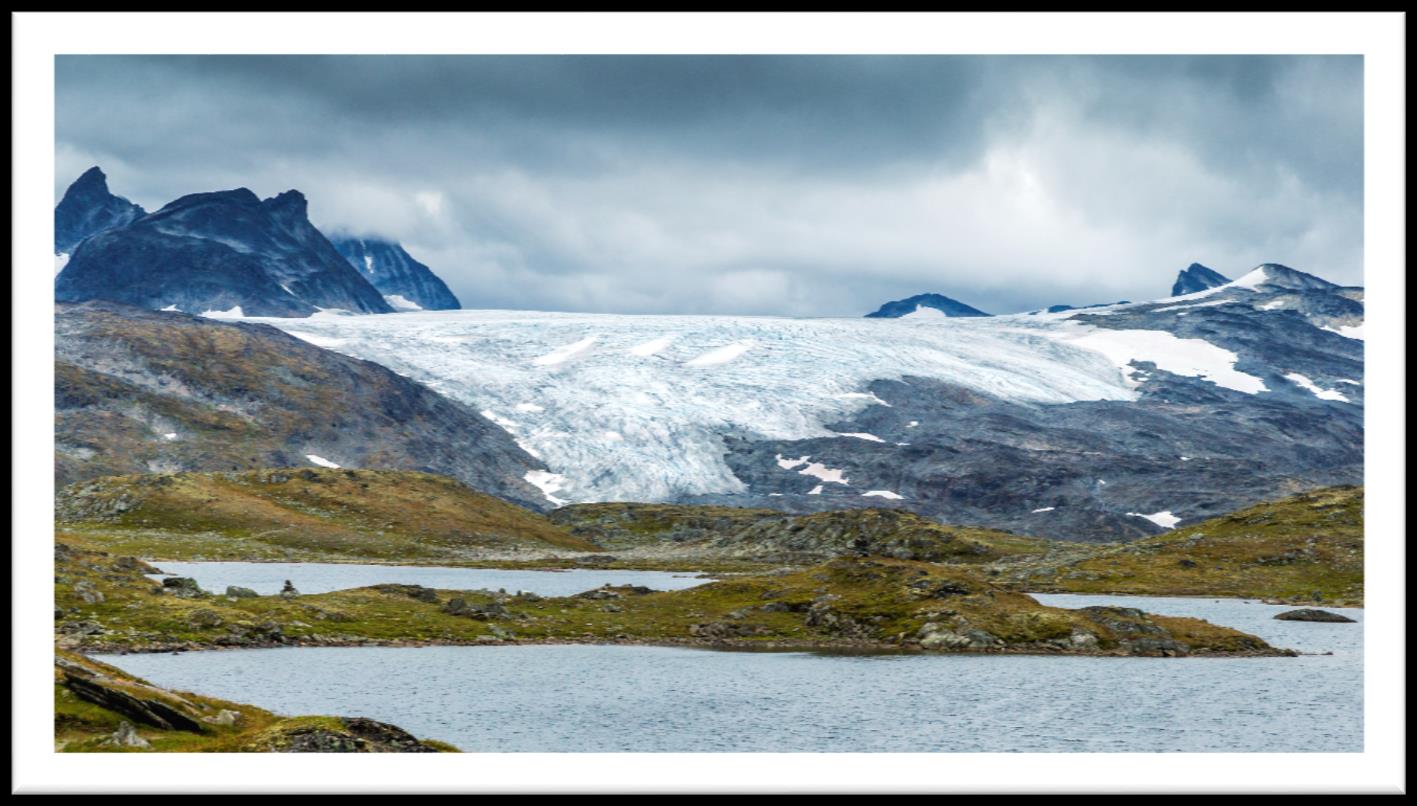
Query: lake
<point x="654" y="699"/>
<point x="267" y="578"/>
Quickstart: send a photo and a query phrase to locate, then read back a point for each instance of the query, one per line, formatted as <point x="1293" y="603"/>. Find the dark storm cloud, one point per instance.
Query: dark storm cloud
<point x="804" y="185"/>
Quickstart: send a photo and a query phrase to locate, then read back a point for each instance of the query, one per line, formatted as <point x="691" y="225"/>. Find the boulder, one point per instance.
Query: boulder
<point x="127" y="736"/>
<point x="183" y="587"/>
<point x="1311" y="614"/>
<point x="224" y="718"/>
<point x="491" y="610"/>
<point x="237" y="592"/>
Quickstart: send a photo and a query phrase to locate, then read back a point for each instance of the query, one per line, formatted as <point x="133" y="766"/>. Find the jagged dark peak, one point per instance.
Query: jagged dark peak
<point x="1197" y="277"/>
<point x="92" y="178"/>
<point x="88" y="208"/>
<point x="289" y="203"/>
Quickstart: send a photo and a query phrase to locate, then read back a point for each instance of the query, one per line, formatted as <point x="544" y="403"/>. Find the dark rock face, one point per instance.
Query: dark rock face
<point x="1078" y="471"/>
<point x="134" y="702"/>
<point x="215" y="252"/>
<point x="395" y="273"/>
<point x="1196" y="277"/>
<point x="1310" y="614"/>
<point x="142" y="391"/>
<point x="88" y="209"/>
<point x="903" y="307"/>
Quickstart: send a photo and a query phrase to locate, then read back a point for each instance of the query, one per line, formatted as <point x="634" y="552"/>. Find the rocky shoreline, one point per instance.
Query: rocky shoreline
<point x="723" y="645"/>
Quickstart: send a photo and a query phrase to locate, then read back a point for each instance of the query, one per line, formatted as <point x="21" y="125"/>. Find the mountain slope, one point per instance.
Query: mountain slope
<point x="141" y="391"/>
<point x="89" y="208"/>
<point x="305" y="514"/>
<point x="218" y="252"/>
<point x="404" y="282"/>
<point x="923" y="304"/>
<point x="1196" y="277"/>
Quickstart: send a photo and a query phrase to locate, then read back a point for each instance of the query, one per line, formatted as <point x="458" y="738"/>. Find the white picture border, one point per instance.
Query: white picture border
<point x="38" y="37"/>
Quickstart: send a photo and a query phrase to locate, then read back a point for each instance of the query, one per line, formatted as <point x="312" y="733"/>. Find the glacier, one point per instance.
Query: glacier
<point x="635" y="407"/>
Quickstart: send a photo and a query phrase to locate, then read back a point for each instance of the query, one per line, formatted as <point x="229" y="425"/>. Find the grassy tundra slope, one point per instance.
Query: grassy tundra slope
<point x="98" y="708"/>
<point x="304" y="514"/>
<point x="1308" y="548"/>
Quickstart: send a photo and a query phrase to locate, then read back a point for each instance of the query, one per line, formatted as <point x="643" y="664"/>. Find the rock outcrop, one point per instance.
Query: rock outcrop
<point x="1310" y="614"/>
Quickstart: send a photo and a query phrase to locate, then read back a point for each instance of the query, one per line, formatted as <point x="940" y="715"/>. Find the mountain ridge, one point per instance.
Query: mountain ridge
<point x="219" y="251"/>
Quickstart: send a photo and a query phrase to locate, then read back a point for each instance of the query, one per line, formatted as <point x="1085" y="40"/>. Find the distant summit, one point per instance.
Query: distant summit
<point x="405" y="283"/>
<point x="1274" y="276"/>
<point x="88" y="209"/>
<point x="923" y="305"/>
<point x="1196" y="277"/>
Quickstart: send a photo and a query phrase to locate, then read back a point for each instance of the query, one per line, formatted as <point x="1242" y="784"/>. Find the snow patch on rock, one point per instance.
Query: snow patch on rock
<point x="1164" y="518"/>
<point x="1303" y="382"/>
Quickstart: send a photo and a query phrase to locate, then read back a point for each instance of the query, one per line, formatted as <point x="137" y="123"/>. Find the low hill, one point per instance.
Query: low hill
<point x="1307" y="548"/>
<point x="304" y="514"/>
<point x="719" y="533"/>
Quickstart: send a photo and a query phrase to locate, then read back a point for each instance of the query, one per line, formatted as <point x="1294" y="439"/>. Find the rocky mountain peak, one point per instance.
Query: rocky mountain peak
<point x="1197" y="277"/>
<point x="88" y="208"/>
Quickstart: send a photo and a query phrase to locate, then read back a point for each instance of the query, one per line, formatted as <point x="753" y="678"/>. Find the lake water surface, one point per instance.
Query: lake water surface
<point x="268" y="578"/>
<point x="654" y="699"/>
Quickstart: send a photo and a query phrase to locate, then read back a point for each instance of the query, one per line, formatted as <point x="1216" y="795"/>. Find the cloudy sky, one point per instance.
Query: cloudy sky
<point x="760" y="185"/>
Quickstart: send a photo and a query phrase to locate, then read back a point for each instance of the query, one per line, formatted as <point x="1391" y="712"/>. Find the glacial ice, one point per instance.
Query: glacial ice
<point x="672" y="387"/>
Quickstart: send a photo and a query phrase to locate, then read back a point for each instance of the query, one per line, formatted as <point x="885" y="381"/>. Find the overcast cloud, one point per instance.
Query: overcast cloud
<point x="793" y="185"/>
